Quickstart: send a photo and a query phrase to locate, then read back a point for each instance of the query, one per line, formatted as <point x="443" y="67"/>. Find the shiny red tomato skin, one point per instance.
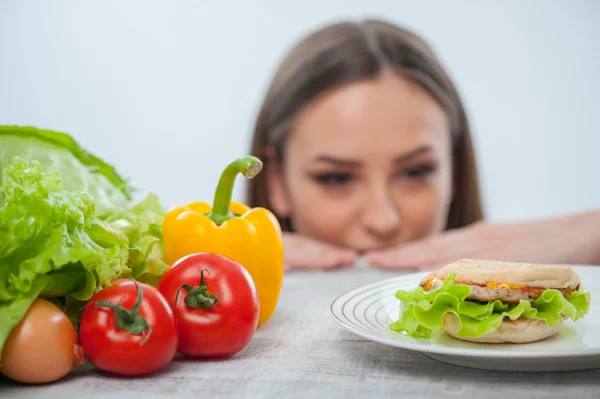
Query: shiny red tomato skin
<point x="117" y="351"/>
<point x="227" y="327"/>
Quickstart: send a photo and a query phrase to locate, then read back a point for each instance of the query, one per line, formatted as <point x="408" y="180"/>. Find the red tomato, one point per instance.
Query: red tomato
<point x="119" y="339"/>
<point x="217" y="308"/>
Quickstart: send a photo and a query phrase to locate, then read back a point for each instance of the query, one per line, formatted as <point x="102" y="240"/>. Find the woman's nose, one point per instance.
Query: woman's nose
<point x="380" y="216"/>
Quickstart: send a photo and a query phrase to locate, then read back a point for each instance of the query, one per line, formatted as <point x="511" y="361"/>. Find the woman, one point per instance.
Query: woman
<point x="367" y="151"/>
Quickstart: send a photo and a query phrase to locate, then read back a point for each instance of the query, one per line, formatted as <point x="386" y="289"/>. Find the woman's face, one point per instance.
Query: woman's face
<point x="367" y="166"/>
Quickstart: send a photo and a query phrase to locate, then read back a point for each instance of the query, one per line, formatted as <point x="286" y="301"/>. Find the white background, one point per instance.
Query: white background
<point x="184" y="81"/>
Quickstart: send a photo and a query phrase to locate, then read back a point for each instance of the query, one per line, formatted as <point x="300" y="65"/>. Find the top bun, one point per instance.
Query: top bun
<point x="482" y="272"/>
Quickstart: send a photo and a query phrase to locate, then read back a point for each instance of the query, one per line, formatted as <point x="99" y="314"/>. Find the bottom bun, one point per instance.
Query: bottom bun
<point x="518" y="331"/>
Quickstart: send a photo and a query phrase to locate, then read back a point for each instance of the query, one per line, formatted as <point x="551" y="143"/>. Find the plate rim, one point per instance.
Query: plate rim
<point x="454" y="351"/>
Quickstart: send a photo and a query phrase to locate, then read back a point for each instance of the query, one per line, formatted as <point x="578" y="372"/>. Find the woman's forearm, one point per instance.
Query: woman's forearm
<point x="585" y="227"/>
<point x="595" y="228"/>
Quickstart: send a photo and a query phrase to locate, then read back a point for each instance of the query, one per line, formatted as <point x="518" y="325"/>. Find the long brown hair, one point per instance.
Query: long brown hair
<point x="347" y="52"/>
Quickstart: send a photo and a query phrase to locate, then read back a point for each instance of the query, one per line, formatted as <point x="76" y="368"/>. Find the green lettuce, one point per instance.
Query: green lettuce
<point x="78" y="169"/>
<point x="52" y="244"/>
<point x="142" y="224"/>
<point x="421" y="312"/>
<point x="68" y="225"/>
<point x="82" y="171"/>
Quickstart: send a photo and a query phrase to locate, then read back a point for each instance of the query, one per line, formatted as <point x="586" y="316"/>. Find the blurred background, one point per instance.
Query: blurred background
<point x="168" y="91"/>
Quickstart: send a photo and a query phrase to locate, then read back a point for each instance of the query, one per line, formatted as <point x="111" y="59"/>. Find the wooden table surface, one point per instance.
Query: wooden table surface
<point x="302" y="352"/>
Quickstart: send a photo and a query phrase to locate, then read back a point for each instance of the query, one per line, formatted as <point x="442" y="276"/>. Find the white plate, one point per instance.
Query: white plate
<point x="368" y="310"/>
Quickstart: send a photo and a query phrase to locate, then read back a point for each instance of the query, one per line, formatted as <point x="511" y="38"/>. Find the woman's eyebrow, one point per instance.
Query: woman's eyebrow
<point x="355" y="163"/>
<point x="405" y="157"/>
<point x="336" y="161"/>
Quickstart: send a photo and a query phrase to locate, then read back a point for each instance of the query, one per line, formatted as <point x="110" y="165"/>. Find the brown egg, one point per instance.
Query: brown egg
<point x="43" y="347"/>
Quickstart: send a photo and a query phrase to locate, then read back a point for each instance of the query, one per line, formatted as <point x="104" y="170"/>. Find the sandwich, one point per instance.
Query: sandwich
<point x="493" y="302"/>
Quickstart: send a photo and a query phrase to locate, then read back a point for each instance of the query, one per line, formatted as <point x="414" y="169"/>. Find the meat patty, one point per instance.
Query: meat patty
<point x="500" y="292"/>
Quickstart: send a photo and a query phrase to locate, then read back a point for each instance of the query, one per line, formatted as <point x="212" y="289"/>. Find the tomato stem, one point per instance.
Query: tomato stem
<point x="129" y="320"/>
<point x="198" y="296"/>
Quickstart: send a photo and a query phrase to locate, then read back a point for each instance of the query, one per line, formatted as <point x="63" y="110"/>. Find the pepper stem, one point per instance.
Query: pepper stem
<point x="249" y="166"/>
<point x="129" y="320"/>
<point x="198" y="297"/>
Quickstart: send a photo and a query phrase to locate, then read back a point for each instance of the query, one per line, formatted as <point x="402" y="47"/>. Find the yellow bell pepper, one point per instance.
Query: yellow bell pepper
<point x="251" y="237"/>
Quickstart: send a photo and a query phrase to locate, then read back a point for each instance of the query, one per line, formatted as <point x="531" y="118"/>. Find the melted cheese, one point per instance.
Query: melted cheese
<point x="493" y="284"/>
<point x="429" y="283"/>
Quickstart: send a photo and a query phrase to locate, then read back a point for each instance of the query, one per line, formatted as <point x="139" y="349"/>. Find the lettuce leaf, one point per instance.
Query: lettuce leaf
<point x="68" y="225"/>
<point x="78" y="169"/>
<point x="422" y="312"/>
<point x="52" y="243"/>
<point x="142" y="224"/>
<point x="81" y="171"/>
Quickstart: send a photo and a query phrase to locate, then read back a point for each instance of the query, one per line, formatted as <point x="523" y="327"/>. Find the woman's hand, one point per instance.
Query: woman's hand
<point x="302" y="252"/>
<point x="573" y="239"/>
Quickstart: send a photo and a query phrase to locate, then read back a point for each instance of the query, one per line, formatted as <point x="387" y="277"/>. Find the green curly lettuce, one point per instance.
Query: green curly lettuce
<point x="78" y="169"/>
<point x="422" y="312"/>
<point x="68" y="225"/>
<point x="142" y="224"/>
<point x="52" y="244"/>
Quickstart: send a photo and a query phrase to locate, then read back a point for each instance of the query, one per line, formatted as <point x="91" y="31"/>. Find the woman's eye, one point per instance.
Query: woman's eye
<point x="333" y="179"/>
<point x="419" y="172"/>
